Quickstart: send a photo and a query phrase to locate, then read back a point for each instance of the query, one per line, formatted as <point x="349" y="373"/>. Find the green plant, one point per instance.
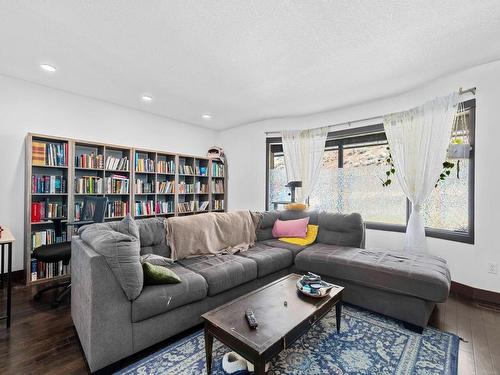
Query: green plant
<point x="391" y="171"/>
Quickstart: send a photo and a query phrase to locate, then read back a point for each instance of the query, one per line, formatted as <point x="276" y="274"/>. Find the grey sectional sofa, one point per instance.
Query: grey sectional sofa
<point x="112" y="327"/>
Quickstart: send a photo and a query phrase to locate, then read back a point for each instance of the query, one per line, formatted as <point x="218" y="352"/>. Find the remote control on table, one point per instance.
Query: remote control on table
<point x="252" y="322"/>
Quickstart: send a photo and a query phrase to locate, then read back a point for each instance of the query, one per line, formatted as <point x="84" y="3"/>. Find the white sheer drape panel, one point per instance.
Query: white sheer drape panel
<point x="419" y="139"/>
<point x="303" y="153"/>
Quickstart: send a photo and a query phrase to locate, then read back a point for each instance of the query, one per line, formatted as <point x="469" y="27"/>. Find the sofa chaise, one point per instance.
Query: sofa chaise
<point x="111" y="326"/>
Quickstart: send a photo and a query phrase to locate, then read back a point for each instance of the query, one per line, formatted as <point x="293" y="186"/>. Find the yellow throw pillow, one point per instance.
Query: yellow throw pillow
<point x="296" y="206"/>
<point x="312" y="232"/>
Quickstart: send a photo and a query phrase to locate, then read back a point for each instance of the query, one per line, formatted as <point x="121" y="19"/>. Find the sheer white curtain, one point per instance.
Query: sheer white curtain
<point x="419" y="139"/>
<point x="303" y="151"/>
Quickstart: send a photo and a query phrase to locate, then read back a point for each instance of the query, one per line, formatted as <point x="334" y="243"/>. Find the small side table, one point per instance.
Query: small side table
<point x="6" y="240"/>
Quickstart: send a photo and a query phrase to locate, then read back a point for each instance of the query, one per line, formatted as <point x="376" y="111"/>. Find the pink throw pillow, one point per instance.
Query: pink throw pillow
<point x="291" y="228"/>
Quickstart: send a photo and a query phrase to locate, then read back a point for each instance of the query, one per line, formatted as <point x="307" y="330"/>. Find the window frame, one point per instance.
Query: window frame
<point x="337" y="138"/>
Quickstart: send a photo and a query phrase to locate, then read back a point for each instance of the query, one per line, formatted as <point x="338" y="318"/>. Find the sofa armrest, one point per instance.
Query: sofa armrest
<point x="101" y="312"/>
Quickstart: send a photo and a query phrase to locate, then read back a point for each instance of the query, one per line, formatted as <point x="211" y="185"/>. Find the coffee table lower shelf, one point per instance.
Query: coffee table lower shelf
<point x="228" y="325"/>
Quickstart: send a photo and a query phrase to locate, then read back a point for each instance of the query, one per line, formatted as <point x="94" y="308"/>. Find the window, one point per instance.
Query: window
<point x="351" y="181"/>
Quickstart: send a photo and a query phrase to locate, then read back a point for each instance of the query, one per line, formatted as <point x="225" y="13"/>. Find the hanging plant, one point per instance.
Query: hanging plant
<point x="391" y="171"/>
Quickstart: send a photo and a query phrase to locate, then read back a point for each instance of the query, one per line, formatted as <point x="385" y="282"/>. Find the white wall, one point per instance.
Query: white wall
<point x="26" y="107"/>
<point x="245" y="150"/>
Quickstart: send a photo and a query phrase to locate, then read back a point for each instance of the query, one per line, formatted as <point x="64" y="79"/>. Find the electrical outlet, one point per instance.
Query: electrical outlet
<point x="493" y="268"/>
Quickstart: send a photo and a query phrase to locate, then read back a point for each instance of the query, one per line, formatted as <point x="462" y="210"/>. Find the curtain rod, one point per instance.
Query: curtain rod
<point x="461" y="91"/>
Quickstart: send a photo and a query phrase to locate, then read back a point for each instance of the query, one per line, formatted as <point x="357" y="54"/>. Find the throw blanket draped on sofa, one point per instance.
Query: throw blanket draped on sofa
<point x="211" y="233"/>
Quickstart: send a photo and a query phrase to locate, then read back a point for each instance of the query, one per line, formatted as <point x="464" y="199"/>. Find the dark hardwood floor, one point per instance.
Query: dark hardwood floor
<point x="42" y="340"/>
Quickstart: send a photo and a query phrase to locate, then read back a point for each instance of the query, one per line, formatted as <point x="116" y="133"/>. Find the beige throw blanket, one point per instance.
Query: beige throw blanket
<point x="211" y="233"/>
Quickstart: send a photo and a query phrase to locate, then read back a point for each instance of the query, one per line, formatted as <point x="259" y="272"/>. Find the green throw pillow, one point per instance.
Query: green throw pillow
<point x="159" y="275"/>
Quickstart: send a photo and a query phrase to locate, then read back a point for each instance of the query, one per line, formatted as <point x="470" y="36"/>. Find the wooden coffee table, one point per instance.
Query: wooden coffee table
<point x="283" y="313"/>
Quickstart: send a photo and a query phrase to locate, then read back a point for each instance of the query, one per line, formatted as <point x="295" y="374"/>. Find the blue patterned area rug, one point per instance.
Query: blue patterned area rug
<point x="367" y="344"/>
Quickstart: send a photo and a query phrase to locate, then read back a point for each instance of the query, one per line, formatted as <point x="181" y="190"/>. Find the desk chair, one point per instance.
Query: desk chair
<point x="93" y="211"/>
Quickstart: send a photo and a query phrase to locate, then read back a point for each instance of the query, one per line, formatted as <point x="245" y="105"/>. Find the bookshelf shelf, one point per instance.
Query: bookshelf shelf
<point x="83" y="161"/>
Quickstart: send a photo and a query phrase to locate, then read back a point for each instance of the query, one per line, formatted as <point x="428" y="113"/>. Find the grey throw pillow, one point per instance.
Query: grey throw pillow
<point x="156" y="260"/>
<point x="122" y="253"/>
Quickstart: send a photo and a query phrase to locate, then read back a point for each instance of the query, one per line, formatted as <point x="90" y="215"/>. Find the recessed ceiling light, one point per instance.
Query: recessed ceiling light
<point x="147" y="98"/>
<point x="206" y="116"/>
<point x="48" y="68"/>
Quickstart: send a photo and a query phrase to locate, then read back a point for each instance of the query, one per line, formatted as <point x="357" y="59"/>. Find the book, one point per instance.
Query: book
<point x="38" y="152"/>
<point x="117" y="209"/>
<point x="144" y="164"/>
<point x="143" y="208"/>
<point x="164" y="207"/>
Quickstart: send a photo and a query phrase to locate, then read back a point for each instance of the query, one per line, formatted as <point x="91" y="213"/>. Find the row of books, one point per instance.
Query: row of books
<point x="165" y="166"/>
<point x="144" y="165"/>
<point x="143" y="208"/>
<point x="117" y="164"/>
<point x="143" y="187"/>
<point x="200" y="206"/>
<point x="48" y="184"/>
<point x="164" y="187"/>
<point x="91" y="161"/>
<point x="218" y="187"/>
<point x="164" y="207"/>
<point x="217" y="169"/>
<point x="117" y="209"/>
<point x="185" y="188"/>
<point x="116" y="184"/>
<point x="185" y="169"/>
<point x="200" y="188"/>
<point x="49" y="154"/>
<point x="184" y="207"/>
<point x="218" y="204"/>
<point x="42" y="270"/>
<point x="201" y="171"/>
<point x="47" y="210"/>
<point x="88" y="185"/>
<point x="46" y="237"/>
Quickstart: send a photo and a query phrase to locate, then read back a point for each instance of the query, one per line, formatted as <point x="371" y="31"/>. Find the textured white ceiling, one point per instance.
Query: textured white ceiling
<point x="243" y="60"/>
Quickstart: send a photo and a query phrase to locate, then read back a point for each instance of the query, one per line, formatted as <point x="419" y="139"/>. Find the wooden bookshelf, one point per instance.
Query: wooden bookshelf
<point x="86" y="171"/>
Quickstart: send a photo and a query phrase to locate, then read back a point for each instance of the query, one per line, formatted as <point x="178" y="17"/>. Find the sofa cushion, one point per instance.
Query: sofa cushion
<point x="294" y="215"/>
<point x="342" y="230"/>
<point x="158" y="299"/>
<point x="265" y="229"/>
<point x="268" y="259"/>
<point x="152" y="236"/>
<point x="294" y="249"/>
<point x="121" y="252"/>
<point x="222" y="272"/>
<point x="422" y="276"/>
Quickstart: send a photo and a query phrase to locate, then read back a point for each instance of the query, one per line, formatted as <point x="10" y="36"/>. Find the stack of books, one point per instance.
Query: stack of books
<point x="144" y="208"/>
<point x="49" y="154"/>
<point x="144" y="165"/>
<point x="186" y="207"/>
<point x="200" y="188"/>
<point x="164" y="187"/>
<point x="117" y="164"/>
<point x="116" y="184"/>
<point x="91" y="161"/>
<point x="164" y="207"/>
<point x="218" y="187"/>
<point x="143" y="187"/>
<point x="185" y="188"/>
<point x="217" y="169"/>
<point x="117" y="209"/>
<point x="88" y="185"/>
<point x="218" y="204"/>
<point x="186" y="169"/>
<point x="42" y="270"/>
<point x="163" y="166"/>
<point x="47" y="210"/>
<point x="48" y="184"/>
<point x="46" y="237"/>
